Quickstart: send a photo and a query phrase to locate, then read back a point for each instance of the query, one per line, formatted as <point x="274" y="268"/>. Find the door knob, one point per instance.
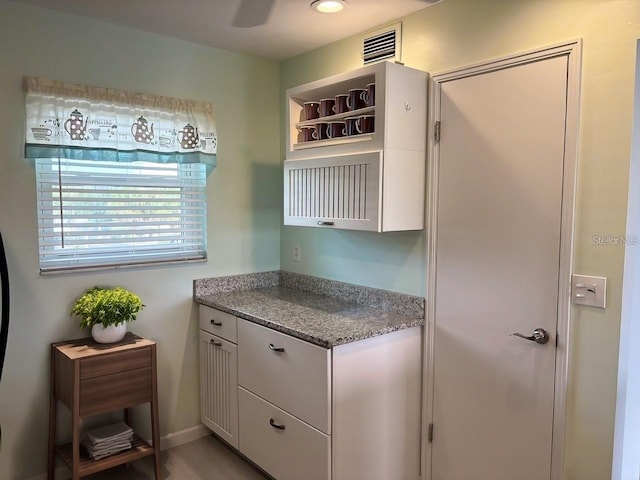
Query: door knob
<point x="539" y="335"/>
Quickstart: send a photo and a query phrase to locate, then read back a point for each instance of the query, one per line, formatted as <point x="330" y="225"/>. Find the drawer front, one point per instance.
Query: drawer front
<point x="115" y="391"/>
<point x="115" y="362"/>
<point x="297" y="452"/>
<point x="296" y="379"/>
<point x="218" y="323"/>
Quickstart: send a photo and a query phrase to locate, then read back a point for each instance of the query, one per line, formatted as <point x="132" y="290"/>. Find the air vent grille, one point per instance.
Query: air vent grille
<point x="382" y="45"/>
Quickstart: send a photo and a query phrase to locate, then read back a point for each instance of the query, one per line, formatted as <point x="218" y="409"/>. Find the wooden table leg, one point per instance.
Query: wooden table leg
<point x="128" y="418"/>
<point x="51" y="461"/>
<point x="75" y="422"/>
<point x="155" y="429"/>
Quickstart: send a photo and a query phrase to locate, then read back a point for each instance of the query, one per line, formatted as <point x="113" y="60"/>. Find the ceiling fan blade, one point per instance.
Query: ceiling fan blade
<point x="252" y="13"/>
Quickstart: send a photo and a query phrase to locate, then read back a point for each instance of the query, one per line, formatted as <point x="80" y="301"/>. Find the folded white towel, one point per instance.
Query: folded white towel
<point x="106" y="443"/>
<point x="107" y="440"/>
<point x="108" y="433"/>
<point x="101" y="453"/>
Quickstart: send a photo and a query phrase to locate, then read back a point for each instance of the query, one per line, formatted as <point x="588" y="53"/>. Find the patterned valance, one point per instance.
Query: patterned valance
<point x="66" y="120"/>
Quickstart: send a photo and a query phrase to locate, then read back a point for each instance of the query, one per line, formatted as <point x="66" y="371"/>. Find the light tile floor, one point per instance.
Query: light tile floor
<point x="205" y="459"/>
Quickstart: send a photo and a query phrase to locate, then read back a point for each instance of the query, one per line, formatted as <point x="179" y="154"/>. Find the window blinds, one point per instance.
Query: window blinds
<point x="100" y="214"/>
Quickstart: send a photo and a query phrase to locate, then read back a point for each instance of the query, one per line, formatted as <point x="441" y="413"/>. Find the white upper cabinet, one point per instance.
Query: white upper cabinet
<point x="362" y="168"/>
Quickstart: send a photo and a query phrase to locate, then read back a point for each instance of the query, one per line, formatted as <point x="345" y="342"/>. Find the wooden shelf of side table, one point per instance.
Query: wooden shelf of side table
<point x="91" y="378"/>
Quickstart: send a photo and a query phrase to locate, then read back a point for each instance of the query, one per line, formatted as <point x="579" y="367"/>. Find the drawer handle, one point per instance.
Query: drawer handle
<point x="216" y="324"/>
<point x="273" y="423"/>
<point x="325" y="224"/>
<point x="276" y="349"/>
<point x="215" y="344"/>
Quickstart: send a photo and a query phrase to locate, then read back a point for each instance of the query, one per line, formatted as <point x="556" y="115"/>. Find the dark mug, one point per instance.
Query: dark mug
<point x="311" y="110"/>
<point x="306" y="133"/>
<point x="341" y="103"/>
<point x="355" y="101"/>
<point x="322" y="132"/>
<point x="370" y="95"/>
<point x="337" y="129"/>
<point x="366" y="124"/>
<point x="352" y="125"/>
<point x="326" y="107"/>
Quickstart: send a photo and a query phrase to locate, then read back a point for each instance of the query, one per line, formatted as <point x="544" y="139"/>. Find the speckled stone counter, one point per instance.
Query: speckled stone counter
<point x="281" y="301"/>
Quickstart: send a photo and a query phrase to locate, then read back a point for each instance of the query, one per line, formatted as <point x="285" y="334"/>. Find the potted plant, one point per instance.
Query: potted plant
<point x="107" y="311"/>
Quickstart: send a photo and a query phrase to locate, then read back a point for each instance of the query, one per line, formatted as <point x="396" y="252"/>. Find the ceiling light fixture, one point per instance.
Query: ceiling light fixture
<point x="328" y="6"/>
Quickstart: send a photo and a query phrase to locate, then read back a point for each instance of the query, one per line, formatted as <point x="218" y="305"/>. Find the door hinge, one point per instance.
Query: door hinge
<point x="430" y="435"/>
<point x="436" y="133"/>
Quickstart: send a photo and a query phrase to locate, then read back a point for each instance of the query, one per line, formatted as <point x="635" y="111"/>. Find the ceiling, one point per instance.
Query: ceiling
<point x="292" y="27"/>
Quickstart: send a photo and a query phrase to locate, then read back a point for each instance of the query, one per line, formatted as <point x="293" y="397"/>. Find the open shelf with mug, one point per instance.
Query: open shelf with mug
<point x="338" y="116"/>
<point x="392" y="96"/>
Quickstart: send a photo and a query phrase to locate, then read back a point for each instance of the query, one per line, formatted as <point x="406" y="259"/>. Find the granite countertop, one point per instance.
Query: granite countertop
<point x="320" y="319"/>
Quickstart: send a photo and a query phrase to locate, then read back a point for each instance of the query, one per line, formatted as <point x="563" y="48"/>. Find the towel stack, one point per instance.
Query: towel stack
<point x="104" y="441"/>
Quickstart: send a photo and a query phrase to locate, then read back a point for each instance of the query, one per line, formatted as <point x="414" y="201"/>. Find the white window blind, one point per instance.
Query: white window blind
<point x="109" y="214"/>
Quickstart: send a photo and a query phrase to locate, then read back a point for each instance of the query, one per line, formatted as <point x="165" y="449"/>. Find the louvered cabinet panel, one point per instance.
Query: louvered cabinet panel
<point x="219" y="386"/>
<point x="341" y="192"/>
<point x="337" y="191"/>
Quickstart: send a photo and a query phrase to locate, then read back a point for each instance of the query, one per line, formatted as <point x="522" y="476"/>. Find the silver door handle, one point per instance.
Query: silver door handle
<point x="539" y="335"/>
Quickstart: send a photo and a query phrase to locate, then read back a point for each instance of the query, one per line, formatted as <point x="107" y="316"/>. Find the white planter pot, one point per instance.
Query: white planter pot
<point x="111" y="334"/>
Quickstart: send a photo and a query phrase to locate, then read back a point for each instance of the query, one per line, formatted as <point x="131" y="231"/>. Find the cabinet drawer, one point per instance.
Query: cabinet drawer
<point x="296" y="452"/>
<point x="296" y="379"/>
<point x="218" y="323"/>
<point x="115" y="391"/>
<point x="115" y="362"/>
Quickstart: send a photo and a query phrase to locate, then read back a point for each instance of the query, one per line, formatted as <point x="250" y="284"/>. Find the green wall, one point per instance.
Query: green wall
<point x="456" y="33"/>
<point x="243" y="219"/>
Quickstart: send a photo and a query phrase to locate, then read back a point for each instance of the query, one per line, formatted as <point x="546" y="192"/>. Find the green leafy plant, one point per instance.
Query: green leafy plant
<point x="107" y="306"/>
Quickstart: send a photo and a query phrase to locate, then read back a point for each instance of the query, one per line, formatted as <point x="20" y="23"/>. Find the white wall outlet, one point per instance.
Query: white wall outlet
<point x="297" y="254"/>
<point x="586" y="290"/>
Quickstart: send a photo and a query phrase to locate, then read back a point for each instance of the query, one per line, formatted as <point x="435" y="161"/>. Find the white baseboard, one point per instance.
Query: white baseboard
<point x="183" y="436"/>
<point x="167" y="441"/>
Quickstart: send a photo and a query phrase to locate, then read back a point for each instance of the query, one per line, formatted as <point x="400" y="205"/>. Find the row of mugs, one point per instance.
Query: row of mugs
<point x="340" y="128"/>
<point x="356" y="99"/>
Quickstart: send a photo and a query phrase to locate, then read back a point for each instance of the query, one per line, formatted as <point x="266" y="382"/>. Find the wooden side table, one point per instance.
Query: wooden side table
<point x="90" y="378"/>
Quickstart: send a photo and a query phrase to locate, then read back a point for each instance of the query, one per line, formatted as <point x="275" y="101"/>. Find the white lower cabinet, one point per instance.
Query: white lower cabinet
<point x="303" y="412"/>
<point x="219" y="373"/>
<point x="219" y="387"/>
<point x="284" y="446"/>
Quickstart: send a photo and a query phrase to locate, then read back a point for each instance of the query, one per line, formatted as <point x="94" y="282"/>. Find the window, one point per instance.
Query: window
<point x="107" y="214"/>
<point x="120" y="176"/>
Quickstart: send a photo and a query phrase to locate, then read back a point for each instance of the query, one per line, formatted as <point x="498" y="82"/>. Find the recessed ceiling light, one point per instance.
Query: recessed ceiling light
<point x="328" y="6"/>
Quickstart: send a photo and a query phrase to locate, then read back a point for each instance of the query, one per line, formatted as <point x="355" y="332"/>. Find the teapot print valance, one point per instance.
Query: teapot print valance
<point x="66" y="120"/>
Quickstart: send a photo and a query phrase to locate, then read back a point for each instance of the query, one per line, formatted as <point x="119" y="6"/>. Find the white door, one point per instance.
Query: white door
<point x="497" y="271"/>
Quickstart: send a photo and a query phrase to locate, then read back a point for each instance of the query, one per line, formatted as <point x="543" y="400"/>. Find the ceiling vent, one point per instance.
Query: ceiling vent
<point x="383" y="44"/>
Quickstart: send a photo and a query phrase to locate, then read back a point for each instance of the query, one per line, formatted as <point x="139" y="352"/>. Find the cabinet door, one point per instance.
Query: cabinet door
<point x="337" y="192"/>
<point x="219" y="386"/>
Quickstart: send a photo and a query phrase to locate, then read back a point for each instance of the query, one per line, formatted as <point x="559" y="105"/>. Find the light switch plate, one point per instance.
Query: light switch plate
<point x="588" y="290"/>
